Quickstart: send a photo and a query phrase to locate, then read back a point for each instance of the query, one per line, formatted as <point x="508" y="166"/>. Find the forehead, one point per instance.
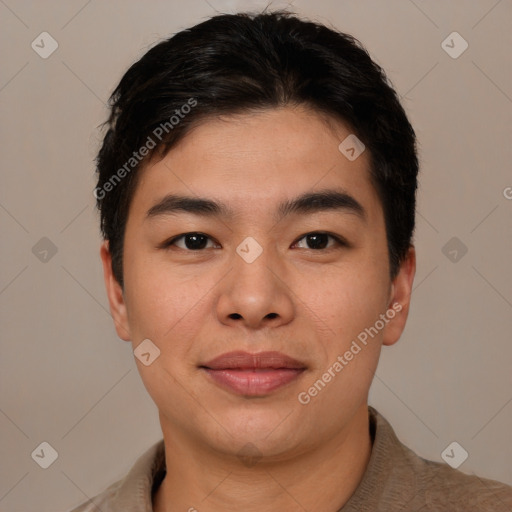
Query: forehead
<point x="250" y="160"/>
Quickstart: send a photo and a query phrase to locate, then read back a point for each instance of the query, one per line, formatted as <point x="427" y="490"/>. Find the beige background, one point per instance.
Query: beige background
<point x="65" y="377"/>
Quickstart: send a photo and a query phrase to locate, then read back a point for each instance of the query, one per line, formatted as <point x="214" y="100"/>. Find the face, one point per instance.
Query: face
<point x="308" y="281"/>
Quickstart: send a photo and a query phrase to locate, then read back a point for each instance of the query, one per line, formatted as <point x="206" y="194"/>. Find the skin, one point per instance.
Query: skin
<point x="305" y="302"/>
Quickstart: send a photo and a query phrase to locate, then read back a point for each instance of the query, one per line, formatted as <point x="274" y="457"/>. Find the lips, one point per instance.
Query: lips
<point x="253" y="374"/>
<point x="245" y="361"/>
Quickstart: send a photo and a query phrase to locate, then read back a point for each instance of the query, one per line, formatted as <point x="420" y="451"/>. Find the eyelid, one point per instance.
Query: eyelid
<point x="170" y="241"/>
<point x="340" y="241"/>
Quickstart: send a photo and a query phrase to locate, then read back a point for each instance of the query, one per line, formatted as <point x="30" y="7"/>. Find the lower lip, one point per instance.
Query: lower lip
<point x="254" y="383"/>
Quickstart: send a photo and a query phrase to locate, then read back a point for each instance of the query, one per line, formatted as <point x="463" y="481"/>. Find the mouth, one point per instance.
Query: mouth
<point x="253" y="374"/>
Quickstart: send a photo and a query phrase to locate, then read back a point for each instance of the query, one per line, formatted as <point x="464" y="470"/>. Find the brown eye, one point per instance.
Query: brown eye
<point x="320" y="240"/>
<point x="191" y="241"/>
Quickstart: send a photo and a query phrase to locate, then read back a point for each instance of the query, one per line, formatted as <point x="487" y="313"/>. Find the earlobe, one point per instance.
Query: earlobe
<point x="114" y="294"/>
<point x="400" y="298"/>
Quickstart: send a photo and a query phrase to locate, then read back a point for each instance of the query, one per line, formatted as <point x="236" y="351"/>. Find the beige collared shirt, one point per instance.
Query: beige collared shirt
<point x="396" y="479"/>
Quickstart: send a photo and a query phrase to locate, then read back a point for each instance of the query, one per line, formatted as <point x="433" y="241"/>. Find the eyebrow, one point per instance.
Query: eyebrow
<point x="309" y="202"/>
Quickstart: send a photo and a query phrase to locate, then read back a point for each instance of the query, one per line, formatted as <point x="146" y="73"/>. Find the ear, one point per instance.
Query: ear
<point x="115" y="294"/>
<point x="400" y="298"/>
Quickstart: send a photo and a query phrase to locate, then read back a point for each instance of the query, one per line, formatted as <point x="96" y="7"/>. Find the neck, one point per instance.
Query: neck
<point x="322" y="479"/>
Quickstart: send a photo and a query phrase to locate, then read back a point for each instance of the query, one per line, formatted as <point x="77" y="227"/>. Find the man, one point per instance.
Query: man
<point x="257" y="194"/>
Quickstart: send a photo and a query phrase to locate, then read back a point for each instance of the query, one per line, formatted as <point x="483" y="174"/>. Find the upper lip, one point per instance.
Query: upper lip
<point x="245" y="361"/>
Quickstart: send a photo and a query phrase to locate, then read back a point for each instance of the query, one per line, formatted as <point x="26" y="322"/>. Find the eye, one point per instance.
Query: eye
<point x="319" y="241"/>
<point x="196" y="241"/>
<point x="192" y="241"/>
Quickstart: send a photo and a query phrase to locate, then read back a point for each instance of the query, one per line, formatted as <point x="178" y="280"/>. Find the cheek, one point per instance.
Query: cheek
<point x="161" y="304"/>
<point x="349" y="298"/>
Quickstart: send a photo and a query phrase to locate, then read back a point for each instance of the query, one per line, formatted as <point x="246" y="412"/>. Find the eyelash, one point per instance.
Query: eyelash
<point x="341" y="242"/>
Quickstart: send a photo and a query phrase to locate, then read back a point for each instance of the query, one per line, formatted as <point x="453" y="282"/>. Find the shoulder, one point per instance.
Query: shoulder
<point x="399" y="479"/>
<point x="439" y="487"/>
<point x="102" y="501"/>
<point x="133" y="493"/>
<point x="445" y="488"/>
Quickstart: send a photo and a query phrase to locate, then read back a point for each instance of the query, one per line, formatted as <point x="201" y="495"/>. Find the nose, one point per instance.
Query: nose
<point x="256" y="294"/>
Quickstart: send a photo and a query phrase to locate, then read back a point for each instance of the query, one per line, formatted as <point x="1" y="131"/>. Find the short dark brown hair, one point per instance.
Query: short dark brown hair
<point x="244" y="63"/>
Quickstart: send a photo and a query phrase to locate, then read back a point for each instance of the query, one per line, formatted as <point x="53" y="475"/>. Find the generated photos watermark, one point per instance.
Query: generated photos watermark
<point x="304" y="397"/>
<point x="151" y="142"/>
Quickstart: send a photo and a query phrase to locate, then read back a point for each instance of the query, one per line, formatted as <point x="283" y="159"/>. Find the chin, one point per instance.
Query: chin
<point x="270" y="432"/>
